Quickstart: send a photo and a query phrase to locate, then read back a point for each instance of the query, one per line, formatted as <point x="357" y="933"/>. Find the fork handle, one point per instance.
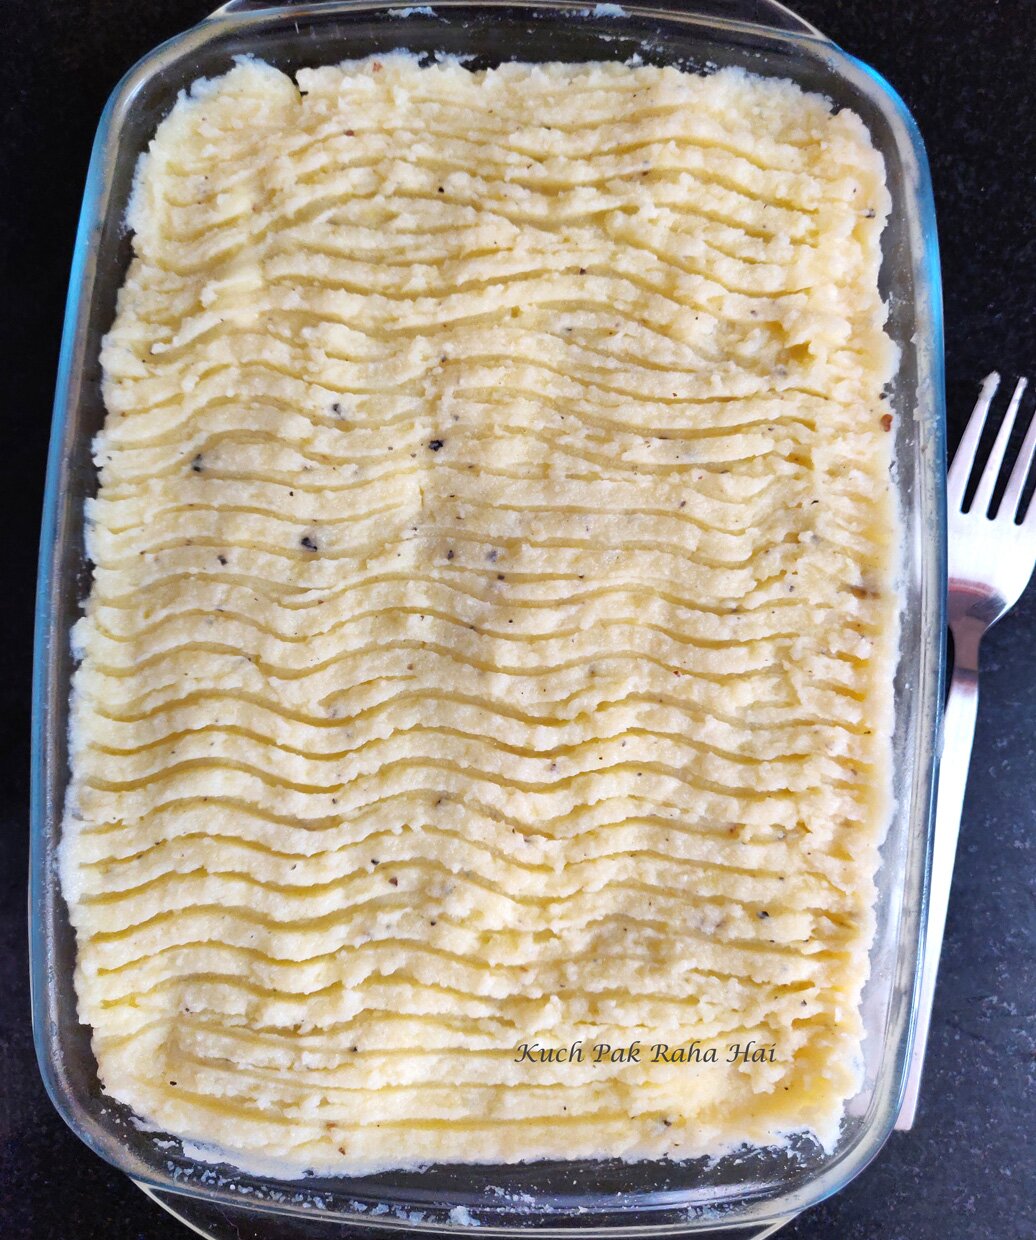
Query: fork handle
<point x="958" y="737"/>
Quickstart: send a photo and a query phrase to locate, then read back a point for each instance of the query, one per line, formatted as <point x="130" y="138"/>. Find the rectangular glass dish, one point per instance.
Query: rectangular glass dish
<point x="748" y="1189"/>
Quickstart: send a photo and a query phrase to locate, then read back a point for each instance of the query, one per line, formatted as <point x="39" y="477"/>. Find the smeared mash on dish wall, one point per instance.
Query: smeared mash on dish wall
<point x="490" y="641"/>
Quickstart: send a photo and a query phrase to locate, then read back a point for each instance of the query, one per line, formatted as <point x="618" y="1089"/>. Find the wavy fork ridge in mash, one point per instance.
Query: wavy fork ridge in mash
<point x="491" y="626"/>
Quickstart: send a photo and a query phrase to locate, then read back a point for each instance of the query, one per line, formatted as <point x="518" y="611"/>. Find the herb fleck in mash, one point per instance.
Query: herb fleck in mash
<point x="490" y="639"/>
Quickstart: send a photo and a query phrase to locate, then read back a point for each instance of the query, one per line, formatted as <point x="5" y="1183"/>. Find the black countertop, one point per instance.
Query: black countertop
<point x="968" y="1170"/>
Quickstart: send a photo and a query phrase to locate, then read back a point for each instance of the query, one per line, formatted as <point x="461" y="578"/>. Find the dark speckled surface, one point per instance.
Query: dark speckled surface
<point x="968" y="1170"/>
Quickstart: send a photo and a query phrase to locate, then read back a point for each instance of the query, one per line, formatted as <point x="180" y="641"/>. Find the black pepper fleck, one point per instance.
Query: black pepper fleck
<point x="309" y="543"/>
<point x="435" y="444"/>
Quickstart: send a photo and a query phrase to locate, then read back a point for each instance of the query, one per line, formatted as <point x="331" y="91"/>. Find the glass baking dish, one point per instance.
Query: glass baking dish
<point x="749" y="1192"/>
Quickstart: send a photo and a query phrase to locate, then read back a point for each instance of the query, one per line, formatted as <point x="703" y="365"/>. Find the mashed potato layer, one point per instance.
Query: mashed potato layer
<point x="490" y="639"/>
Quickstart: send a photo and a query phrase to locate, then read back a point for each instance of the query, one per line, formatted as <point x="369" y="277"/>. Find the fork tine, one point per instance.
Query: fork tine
<point x="1011" y="503"/>
<point x="964" y="458"/>
<point x="987" y="483"/>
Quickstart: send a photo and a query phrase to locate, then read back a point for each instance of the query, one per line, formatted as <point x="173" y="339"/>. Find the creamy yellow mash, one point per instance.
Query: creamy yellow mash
<point x="489" y="651"/>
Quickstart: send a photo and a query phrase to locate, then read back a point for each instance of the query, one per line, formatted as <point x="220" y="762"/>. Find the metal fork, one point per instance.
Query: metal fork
<point x="991" y="558"/>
